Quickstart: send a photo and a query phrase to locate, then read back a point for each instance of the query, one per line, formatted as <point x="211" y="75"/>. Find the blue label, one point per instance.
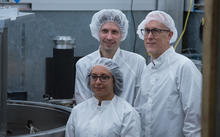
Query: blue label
<point x="16" y="1"/>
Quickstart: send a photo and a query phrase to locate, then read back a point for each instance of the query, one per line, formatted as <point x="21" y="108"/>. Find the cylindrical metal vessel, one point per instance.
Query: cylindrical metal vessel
<point x="36" y="119"/>
<point x="64" y="42"/>
<point x="60" y="69"/>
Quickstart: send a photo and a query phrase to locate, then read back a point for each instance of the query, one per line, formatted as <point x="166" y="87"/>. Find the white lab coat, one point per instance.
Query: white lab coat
<point x="170" y="99"/>
<point x="131" y="65"/>
<point x="114" y="118"/>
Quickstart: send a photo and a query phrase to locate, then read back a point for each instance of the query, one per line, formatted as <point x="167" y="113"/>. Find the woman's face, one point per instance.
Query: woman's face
<point x="101" y="83"/>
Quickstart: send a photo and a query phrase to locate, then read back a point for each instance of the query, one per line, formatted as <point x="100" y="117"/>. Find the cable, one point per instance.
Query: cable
<point x="185" y="25"/>
<point x="134" y="25"/>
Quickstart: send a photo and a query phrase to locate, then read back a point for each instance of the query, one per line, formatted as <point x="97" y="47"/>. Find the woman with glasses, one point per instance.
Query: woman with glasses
<point x="105" y="114"/>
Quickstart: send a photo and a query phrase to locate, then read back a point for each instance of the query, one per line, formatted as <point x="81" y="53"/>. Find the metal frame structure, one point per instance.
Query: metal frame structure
<point x="3" y="79"/>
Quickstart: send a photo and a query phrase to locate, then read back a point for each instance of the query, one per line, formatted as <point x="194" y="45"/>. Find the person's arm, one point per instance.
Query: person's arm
<point x="81" y="91"/>
<point x="70" y="127"/>
<point x="131" y="126"/>
<point x="141" y="68"/>
<point x="190" y="92"/>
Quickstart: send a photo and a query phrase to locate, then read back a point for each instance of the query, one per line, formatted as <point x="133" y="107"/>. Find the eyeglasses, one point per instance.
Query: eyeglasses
<point x="102" y="78"/>
<point x="153" y="31"/>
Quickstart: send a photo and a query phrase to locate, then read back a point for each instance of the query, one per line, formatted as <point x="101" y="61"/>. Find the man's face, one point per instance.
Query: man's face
<point x="110" y="36"/>
<point x="157" y="43"/>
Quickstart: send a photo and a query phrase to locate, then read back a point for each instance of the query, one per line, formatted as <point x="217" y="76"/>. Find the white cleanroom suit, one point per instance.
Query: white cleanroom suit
<point x="131" y="65"/>
<point x="114" y="118"/>
<point x="170" y="97"/>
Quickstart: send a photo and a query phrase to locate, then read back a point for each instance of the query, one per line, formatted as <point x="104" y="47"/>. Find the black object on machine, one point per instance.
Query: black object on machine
<point x="60" y="69"/>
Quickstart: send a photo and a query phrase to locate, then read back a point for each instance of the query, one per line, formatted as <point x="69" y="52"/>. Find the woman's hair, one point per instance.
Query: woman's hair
<point x="115" y="71"/>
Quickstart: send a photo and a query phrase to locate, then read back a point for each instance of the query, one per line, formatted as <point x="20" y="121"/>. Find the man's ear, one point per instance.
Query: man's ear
<point x="170" y="35"/>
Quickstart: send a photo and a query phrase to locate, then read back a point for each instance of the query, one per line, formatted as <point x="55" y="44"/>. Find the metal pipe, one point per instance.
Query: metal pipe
<point x="3" y="81"/>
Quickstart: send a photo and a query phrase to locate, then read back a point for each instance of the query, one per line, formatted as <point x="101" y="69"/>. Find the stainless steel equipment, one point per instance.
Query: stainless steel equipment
<point x="3" y="78"/>
<point x="4" y="22"/>
<point x="64" y="102"/>
<point x="36" y="119"/>
<point x="64" y="42"/>
<point x="60" y="69"/>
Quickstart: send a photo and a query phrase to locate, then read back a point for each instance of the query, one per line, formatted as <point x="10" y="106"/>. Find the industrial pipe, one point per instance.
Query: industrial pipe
<point x="3" y="81"/>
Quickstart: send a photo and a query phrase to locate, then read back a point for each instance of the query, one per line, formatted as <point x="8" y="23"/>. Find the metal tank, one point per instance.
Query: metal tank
<point x="36" y="119"/>
<point x="60" y="69"/>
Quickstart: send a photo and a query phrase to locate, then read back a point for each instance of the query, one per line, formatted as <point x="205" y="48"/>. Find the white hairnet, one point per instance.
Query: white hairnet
<point x="115" y="71"/>
<point x="109" y="15"/>
<point x="161" y="17"/>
